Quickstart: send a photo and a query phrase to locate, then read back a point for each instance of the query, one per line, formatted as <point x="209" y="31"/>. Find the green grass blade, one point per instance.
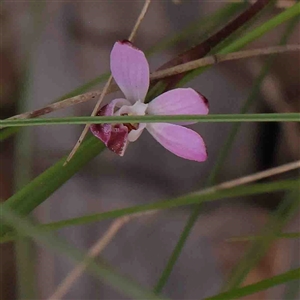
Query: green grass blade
<point x="259" y="286"/>
<point x="258" y="32"/>
<point x="248" y="103"/>
<point x="288" y="235"/>
<point x="33" y="194"/>
<point x="177" y="250"/>
<point x="263" y="29"/>
<point x="23" y="157"/>
<point x="269" y="117"/>
<point x="23" y="154"/>
<point x="218" y="165"/>
<point x="199" y="28"/>
<point x="207" y="195"/>
<point x="292" y="290"/>
<point x="102" y="272"/>
<point x="8" y="132"/>
<point x="219" y="17"/>
<point x="259" y="247"/>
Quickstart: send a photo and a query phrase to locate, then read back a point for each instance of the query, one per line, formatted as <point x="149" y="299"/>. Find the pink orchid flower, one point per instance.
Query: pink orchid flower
<point x="130" y="70"/>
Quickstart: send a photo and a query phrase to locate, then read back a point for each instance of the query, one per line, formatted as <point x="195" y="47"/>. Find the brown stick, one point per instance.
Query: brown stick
<point x="214" y="59"/>
<point x="107" y="85"/>
<point x="93" y="252"/>
<point x="205" y="47"/>
<point x="206" y="61"/>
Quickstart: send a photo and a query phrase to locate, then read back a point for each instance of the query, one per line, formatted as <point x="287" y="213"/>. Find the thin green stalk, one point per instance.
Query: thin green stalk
<point x="269" y="117"/>
<point x="120" y="283"/>
<point x="259" y="247"/>
<point x="24" y="250"/>
<point x="255" y="90"/>
<point x="8" y="132"/>
<point x="39" y="189"/>
<point x="292" y="288"/>
<point x="286" y="15"/>
<point x="259" y="286"/>
<point x="161" y="85"/>
<point x="217" y="166"/>
<point x="287" y="235"/>
<point x="264" y="245"/>
<point x="289" y="13"/>
<point x="25" y="266"/>
<point x="200" y="27"/>
<point x="207" y="195"/>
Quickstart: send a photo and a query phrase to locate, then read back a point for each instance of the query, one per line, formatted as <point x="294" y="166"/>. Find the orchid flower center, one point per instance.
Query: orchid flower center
<point x="130" y="126"/>
<point x="137" y="109"/>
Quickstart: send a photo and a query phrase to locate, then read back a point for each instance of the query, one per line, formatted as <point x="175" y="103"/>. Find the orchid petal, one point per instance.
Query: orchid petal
<point x="130" y="70"/>
<point x="182" y="101"/>
<point x="181" y="141"/>
<point x="118" y="139"/>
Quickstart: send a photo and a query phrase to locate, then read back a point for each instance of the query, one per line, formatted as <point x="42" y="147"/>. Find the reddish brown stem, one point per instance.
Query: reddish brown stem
<point x="206" y="46"/>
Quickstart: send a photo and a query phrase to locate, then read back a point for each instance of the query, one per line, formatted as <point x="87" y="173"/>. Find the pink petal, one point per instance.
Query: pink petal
<point x="181" y="141"/>
<point x="130" y="70"/>
<point x="182" y="101"/>
<point x="115" y="137"/>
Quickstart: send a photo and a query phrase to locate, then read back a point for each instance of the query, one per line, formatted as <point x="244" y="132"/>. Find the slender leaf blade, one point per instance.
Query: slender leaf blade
<point x="39" y="189"/>
<point x="121" y="283"/>
<point x="259" y="286"/>
<point x="206" y="195"/>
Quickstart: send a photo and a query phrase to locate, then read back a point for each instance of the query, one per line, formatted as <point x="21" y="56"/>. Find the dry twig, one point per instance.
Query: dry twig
<point x="108" y="83"/>
<point x="87" y="126"/>
<point x="214" y="59"/>
<point x="139" y="20"/>
<point x="202" y="49"/>
<point x="253" y="177"/>
<point x="206" y="61"/>
<point x="94" y="251"/>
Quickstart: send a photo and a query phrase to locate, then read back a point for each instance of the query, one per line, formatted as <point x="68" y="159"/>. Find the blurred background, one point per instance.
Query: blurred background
<point x="50" y="48"/>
